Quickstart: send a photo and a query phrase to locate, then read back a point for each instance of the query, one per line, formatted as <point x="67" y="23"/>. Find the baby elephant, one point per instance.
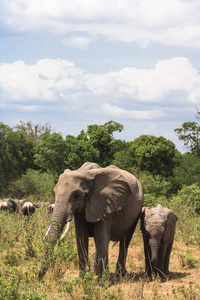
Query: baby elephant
<point x="158" y="228"/>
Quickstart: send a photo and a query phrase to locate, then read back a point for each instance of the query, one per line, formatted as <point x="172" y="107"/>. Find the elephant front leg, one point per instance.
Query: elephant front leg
<point x="82" y="239"/>
<point x="161" y="260"/>
<point x="82" y="247"/>
<point x="94" y="264"/>
<point x="148" y="265"/>
<point x="102" y="239"/>
<point x="167" y="256"/>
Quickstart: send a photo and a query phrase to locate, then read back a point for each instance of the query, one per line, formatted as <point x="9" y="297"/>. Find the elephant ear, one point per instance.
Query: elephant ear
<point x="145" y="211"/>
<point x="109" y="192"/>
<point x="171" y="220"/>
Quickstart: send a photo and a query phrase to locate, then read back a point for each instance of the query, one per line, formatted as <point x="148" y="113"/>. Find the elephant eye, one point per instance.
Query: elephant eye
<point x="77" y="195"/>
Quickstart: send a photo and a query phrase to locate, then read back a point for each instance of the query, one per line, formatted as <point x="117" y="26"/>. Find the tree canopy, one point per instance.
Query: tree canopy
<point x="189" y="133"/>
<point x="27" y="147"/>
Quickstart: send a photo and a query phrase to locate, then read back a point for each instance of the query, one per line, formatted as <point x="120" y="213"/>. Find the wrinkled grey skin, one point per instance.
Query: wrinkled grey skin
<point x="105" y="203"/>
<point x="158" y="228"/>
<point x="8" y="204"/>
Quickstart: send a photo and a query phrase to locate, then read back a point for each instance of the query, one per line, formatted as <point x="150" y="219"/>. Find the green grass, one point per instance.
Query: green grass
<point x="21" y="251"/>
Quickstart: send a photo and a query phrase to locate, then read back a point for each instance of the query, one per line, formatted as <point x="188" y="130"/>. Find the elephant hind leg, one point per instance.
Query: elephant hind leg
<point x="121" y="262"/>
<point x="123" y="250"/>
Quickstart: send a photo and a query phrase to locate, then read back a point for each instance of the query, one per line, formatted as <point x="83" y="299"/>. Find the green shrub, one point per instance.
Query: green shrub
<point x="186" y="204"/>
<point x="9" y="287"/>
<point x="191" y="196"/>
<point x="34" y="184"/>
<point x="156" y="189"/>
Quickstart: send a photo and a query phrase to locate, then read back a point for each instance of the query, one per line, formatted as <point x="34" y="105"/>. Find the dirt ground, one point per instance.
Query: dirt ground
<point x="183" y="281"/>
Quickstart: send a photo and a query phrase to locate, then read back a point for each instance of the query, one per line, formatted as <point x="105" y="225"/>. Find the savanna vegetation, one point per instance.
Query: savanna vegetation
<point x="31" y="159"/>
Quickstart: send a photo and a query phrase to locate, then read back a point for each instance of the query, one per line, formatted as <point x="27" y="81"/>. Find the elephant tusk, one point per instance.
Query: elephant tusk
<point x="46" y="233"/>
<point x="65" y="232"/>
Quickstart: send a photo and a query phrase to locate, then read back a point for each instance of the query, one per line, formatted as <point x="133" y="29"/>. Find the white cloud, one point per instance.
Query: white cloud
<point x="115" y="111"/>
<point x="152" y="85"/>
<point x="173" y="22"/>
<point x="42" y="81"/>
<point x="145" y="101"/>
<point x="53" y="80"/>
<point x="76" y="42"/>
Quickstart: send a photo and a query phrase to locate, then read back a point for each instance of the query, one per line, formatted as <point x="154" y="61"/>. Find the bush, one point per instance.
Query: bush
<point x="186" y="204"/>
<point x="156" y="188"/>
<point x="33" y="184"/>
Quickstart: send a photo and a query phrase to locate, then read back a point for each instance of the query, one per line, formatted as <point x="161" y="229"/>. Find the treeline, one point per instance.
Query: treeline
<point x="33" y="156"/>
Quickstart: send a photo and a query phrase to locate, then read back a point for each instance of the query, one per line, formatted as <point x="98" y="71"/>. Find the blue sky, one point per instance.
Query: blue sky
<point x="82" y="62"/>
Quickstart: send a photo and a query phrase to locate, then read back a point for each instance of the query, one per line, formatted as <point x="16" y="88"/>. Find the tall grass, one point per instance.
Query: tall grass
<point x="22" y="248"/>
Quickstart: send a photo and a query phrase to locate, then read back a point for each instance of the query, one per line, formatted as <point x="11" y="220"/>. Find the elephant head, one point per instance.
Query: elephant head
<point x="158" y="227"/>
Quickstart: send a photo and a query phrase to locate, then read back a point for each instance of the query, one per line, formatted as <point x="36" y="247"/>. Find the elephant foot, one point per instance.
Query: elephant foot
<point x="166" y="272"/>
<point x="84" y="271"/>
<point x="162" y="274"/>
<point x="151" y="275"/>
<point x="42" y="272"/>
<point x="121" y="273"/>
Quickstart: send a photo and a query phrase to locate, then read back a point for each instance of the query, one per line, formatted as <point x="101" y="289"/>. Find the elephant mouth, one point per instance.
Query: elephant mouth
<point x="67" y="223"/>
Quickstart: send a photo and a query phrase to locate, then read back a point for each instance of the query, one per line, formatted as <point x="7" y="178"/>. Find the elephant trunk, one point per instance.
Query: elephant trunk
<point x="154" y="252"/>
<point x="57" y="225"/>
<point x="154" y="258"/>
<point x="52" y="235"/>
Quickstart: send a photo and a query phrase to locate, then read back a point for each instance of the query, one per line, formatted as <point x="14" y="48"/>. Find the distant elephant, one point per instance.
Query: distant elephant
<point x="106" y="204"/>
<point x="158" y="228"/>
<point x="28" y="208"/>
<point x="8" y="204"/>
<point x="50" y="208"/>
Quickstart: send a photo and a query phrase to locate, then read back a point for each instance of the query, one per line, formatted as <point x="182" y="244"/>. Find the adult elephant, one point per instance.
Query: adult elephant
<point x="106" y="204"/>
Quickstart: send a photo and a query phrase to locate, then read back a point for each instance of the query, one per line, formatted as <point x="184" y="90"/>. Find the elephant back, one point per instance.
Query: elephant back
<point x="88" y="166"/>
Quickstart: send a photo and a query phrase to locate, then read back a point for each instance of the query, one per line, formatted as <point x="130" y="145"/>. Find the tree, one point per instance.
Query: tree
<point x="101" y="137"/>
<point x="50" y="154"/>
<point x="188" y="170"/>
<point x="154" y="154"/>
<point x="124" y="158"/>
<point x="79" y="150"/>
<point x="189" y="133"/>
<point x="16" y="155"/>
<point x="34" y="133"/>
